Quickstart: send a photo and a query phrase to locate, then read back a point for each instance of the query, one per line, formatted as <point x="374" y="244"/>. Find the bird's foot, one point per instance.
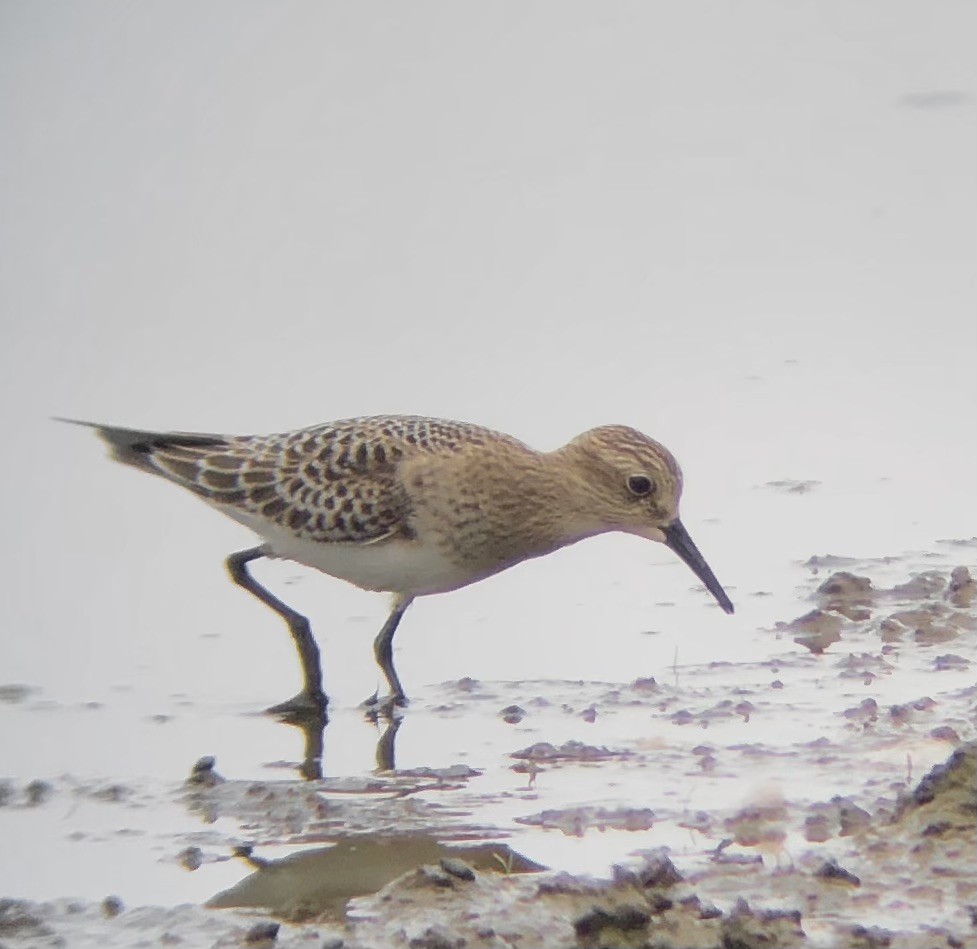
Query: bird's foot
<point x="307" y="706"/>
<point x="384" y="706"/>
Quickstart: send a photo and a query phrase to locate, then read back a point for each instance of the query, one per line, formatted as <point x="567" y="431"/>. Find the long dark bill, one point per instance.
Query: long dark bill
<point x="677" y="539"/>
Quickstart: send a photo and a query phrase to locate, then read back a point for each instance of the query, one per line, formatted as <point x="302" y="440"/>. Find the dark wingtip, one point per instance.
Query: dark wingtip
<point x="127" y="445"/>
<point x="140" y="440"/>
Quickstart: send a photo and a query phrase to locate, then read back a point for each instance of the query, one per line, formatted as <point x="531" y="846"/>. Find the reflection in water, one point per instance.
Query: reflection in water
<point x="386" y="744"/>
<point x="313" y="729"/>
<point x="319" y="881"/>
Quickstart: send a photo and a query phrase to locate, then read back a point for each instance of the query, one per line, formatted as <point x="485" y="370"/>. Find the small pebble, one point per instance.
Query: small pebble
<point x="830" y="870"/>
<point x="38" y="792"/>
<point x="203" y="773"/>
<point x="950" y="661"/>
<point x="262" y="933"/>
<point x="457" y="868"/>
<point x="874" y="937"/>
<point x="111" y="907"/>
<point x="437" y="937"/>
<point x="436" y="876"/>
<point x="191" y="858"/>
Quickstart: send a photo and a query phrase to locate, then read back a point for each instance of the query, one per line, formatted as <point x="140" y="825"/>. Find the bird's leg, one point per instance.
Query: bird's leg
<point x="311" y="701"/>
<point x="383" y="649"/>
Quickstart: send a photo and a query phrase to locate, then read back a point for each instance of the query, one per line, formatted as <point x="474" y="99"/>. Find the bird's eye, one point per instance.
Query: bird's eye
<point x="640" y="485"/>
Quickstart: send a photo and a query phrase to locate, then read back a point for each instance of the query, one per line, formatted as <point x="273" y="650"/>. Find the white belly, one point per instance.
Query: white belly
<point x="396" y="565"/>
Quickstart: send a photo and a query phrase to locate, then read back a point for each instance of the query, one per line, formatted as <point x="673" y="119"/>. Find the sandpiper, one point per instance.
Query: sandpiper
<point x="415" y="506"/>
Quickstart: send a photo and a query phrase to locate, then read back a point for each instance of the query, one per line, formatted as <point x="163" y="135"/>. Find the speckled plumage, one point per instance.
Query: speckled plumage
<point x="332" y="483"/>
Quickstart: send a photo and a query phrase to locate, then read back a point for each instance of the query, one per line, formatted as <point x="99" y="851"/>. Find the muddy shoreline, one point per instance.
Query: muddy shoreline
<point x="705" y="783"/>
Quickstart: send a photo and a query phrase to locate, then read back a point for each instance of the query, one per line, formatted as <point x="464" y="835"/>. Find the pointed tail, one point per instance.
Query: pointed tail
<point x="133" y="446"/>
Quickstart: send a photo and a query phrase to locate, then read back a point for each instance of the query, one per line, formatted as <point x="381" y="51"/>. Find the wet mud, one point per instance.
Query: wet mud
<point x="824" y="797"/>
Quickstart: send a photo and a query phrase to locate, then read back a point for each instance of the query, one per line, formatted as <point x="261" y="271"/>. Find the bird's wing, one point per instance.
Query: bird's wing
<point x="334" y="483"/>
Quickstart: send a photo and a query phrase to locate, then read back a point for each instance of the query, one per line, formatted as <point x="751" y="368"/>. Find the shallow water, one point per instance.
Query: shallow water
<point x="573" y="775"/>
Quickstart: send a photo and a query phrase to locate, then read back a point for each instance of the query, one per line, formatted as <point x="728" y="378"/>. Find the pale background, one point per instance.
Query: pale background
<point x="747" y="229"/>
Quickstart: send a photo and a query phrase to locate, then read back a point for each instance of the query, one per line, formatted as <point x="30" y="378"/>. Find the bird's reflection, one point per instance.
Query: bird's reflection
<point x="387" y="742"/>
<point x="312" y="724"/>
<point x="313" y="728"/>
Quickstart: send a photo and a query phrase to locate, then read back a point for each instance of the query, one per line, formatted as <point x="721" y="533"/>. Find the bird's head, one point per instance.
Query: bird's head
<point x="628" y="482"/>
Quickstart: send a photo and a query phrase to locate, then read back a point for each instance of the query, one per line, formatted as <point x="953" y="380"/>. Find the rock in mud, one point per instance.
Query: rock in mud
<point x="930" y="624"/>
<point x="656" y="870"/>
<point x="831" y="871"/>
<point x="817" y="828"/>
<point x="847" y="594"/>
<point x="261" y="935"/>
<point x="624" y="919"/>
<point x="949" y="789"/>
<point x="190" y="858"/>
<point x="38" y="792"/>
<point x="762" y="825"/>
<point x="568" y="751"/>
<point x="873" y="937"/>
<point x="202" y="774"/>
<point x="576" y="821"/>
<point x="962" y="590"/>
<point x="645" y="685"/>
<point x="457" y="868"/>
<point x="922" y="586"/>
<point x="437" y="937"/>
<point x="19" y="921"/>
<point x="865" y="713"/>
<point x="950" y="661"/>
<point x="111" y="907"/>
<point x="815" y="631"/>
<point x="513" y="714"/>
<point x="746" y="928"/>
<point x="851" y="817"/>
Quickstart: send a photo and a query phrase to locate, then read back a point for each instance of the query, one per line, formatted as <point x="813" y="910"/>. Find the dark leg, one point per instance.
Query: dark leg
<point x="311" y="701"/>
<point x="386" y="746"/>
<point x="383" y="649"/>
